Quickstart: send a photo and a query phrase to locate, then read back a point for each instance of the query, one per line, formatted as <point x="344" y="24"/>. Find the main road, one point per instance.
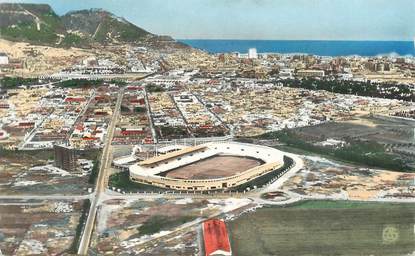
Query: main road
<point x="101" y="181"/>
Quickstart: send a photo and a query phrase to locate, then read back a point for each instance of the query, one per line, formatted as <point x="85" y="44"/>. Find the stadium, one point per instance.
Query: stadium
<point x="211" y="166"/>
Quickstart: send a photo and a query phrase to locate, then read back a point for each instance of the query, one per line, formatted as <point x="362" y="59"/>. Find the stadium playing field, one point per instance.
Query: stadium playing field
<point x="214" y="167"/>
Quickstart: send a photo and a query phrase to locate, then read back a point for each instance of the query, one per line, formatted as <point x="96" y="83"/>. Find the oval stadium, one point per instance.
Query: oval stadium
<point x="212" y="166"/>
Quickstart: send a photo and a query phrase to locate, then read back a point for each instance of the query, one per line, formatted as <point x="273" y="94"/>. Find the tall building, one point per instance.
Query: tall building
<point x="65" y="157"/>
<point x="252" y="54"/>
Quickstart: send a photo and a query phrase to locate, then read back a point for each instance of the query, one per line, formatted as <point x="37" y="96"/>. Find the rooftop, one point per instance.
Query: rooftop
<point x="171" y="155"/>
<point x="216" y="238"/>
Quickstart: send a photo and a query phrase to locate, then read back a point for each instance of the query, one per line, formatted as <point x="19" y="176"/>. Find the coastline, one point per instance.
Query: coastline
<point x="324" y="48"/>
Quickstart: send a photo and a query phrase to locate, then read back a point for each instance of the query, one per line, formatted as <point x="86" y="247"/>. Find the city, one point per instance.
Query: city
<point x="117" y="141"/>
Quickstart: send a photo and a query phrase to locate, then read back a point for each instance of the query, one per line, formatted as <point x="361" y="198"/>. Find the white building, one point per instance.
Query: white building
<point x="252" y="53"/>
<point x="4" y="59"/>
<point x="310" y="73"/>
<point x="286" y="73"/>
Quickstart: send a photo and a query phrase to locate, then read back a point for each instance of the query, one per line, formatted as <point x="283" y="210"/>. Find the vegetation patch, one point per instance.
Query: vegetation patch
<point x="154" y="88"/>
<point x="369" y="153"/>
<point x="78" y="233"/>
<point x="94" y="172"/>
<point x="335" y="204"/>
<point x="122" y="181"/>
<point x="390" y="90"/>
<point x="14" y="82"/>
<point x="159" y="223"/>
<point x="75" y="83"/>
<point x="74" y="40"/>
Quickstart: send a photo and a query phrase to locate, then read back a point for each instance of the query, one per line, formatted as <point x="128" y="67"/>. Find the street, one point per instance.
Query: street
<point x="101" y="180"/>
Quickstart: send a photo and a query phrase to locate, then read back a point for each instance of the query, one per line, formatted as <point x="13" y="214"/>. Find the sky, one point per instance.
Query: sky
<point x="261" y="19"/>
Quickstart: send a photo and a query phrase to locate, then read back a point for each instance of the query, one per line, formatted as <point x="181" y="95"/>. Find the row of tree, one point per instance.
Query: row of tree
<point x="380" y="90"/>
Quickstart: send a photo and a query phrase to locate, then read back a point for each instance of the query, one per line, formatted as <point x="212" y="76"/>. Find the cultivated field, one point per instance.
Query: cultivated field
<point x="326" y="228"/>
<point x="214" y="167"/>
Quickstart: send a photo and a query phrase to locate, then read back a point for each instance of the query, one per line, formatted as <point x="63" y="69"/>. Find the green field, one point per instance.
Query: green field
<point x="326" y="228"/>
<point x="327" y="204"/>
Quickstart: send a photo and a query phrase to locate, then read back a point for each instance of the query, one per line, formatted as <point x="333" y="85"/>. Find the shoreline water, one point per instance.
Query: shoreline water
<point x="334" y="48"/>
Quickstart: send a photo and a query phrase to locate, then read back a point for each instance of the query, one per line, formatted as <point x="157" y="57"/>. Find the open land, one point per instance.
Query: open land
<point x="335" y="229"/>
<point x="33" y="173"/>
<point x="156" y="226"/>
<point x="322" y="178"/>
<point x="38" y="226"/>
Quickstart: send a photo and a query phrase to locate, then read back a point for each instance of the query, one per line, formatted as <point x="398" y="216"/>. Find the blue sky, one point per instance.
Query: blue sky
<point x="261" y="19"/>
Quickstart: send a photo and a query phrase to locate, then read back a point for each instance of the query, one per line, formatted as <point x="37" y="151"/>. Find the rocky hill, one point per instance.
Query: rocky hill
<point x="39" y="24"/>
<point x="103" y="27"/>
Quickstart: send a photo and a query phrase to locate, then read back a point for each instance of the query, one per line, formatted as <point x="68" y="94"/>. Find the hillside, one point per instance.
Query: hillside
<point x="39" y="24"/>
<point x="34" y="23"/>
<point x="102" y="27"/>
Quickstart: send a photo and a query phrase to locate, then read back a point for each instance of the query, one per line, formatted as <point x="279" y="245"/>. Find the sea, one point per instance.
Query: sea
<point x="315" y="47"/>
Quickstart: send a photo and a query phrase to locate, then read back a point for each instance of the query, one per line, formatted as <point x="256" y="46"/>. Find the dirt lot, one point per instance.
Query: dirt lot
<point x="124" y="225"/>
<point x="324" y="178"/>
<point x="214" y="167"/>
<point x="37" y="227"/>
<point x="20" y="173"/>
<point x="41" y="59"/>
<point x="157" y="226"/>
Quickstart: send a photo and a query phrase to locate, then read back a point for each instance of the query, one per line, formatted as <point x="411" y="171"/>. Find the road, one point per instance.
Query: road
<point x="101" y="179"/>
<point x="101" y="194"/>
<point x="82" y="113"/>
<point x="150" y="118"/>
<point x="47" y="197"/>
<point x="182" y="115"/>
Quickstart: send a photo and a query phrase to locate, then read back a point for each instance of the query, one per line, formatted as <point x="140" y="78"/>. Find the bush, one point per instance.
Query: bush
<point x="78" y="232"/>
<point x="158" y="223"/>
<point x="94" y="172"/>
<point x="154" y="88"/>
<point x="14" y="82"/>
<point x="74" y="83"/>
<point x="388" y="90"/>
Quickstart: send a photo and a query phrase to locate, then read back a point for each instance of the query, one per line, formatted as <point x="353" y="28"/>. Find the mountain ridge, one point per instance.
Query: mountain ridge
<point x="39" y="24"/>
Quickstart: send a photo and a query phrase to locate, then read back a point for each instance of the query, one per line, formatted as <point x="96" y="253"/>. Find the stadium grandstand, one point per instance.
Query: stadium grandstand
<point x="210" y="166"/>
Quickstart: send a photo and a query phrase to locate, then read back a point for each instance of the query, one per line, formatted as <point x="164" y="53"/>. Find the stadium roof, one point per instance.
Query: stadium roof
<point x="172" y="155"/>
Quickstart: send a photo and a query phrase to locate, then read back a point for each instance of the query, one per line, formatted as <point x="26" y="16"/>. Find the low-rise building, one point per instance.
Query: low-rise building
<point x="4" y="59"/>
